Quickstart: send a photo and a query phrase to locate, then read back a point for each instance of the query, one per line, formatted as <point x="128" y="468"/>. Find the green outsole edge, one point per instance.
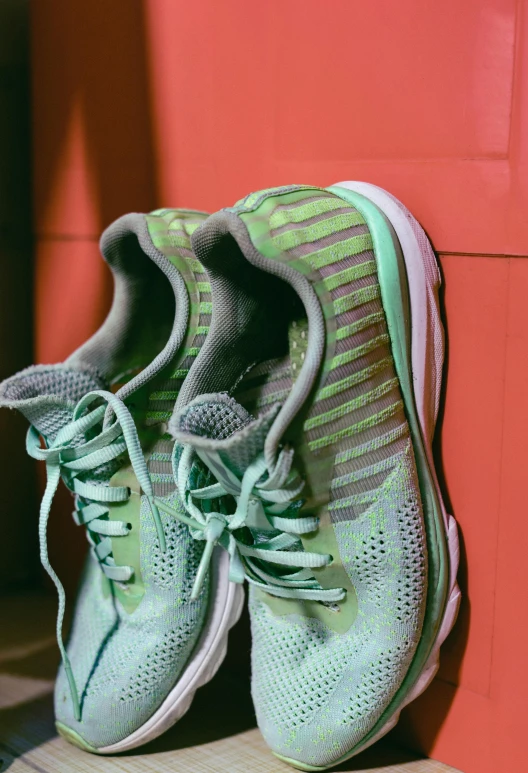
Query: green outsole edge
<point x="74" y="738"/>
<point x="394" y="292"/>
<point x="299" y="765"/>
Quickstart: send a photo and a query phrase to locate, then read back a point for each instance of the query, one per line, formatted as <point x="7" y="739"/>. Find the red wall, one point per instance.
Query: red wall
<point x="163" y="102"/>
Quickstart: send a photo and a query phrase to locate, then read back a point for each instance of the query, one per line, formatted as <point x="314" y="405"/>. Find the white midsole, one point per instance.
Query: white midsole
<point x="227" y="600"/>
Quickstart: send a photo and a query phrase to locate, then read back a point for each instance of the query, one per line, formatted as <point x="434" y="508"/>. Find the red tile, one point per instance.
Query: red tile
<point x="73" y="290"/>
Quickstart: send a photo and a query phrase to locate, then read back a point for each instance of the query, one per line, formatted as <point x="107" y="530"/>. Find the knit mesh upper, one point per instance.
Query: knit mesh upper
<point x="131" y="671"/>
<point x="317" y="692"/>
<point x="126" y="664"/>
<point x="359" y="404"/>
<point x="170" y="232"/>
<point x="319" y="689"/>
<point x="126" y="657"/>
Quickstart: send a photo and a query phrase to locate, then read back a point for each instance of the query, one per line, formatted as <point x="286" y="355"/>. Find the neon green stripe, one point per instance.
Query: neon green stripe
<point x="192" y="351"/>
<point x="356" y="378"/>
<point x="305" y="211"/>
<point x="156" y="224"/>
<point x="203" y="287"/>
<point x="336" y="252"/>
<point x="354" y="429"/>
<point x="158" y="456"/>
<point x="170" y="394"/>
<point x="181" y="373"/>
<point x="195" y="265"/>
<point x="356" y="499"/>
<point x="202" y="330"/>
<point x="352" y="405"/>
<point x="359" y="351"/>
<point x="191" y="227"/>
<point x="159" y="415"/>
<point x="161" y="477"/>
<point x="178" y="240"/>
<point x="311" y="233"/>
<point x="299" y="191"/>
<point x="372" y="445"/>
<point x="175" y="228"/>
<point x="206" y="307"/>
<point x="383" y="465"/>
<point x="257" y="221"/>
<point x="350" y="274"/>
<point x="361" y="324"/>
<point x="357" y="298"/>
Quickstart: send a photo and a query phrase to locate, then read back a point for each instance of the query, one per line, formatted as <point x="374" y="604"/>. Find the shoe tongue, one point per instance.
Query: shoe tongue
<point x="47" y="395"/>
<point x="219" y="424"/>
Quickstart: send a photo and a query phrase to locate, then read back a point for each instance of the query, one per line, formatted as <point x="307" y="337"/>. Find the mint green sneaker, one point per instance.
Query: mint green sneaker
<point x="305" y="405"/>
<point x="139" y="645"/>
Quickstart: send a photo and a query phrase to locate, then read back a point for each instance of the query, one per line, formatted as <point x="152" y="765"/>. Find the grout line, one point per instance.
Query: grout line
<point x="441" y="254"/>
<point x="495" y="568"/>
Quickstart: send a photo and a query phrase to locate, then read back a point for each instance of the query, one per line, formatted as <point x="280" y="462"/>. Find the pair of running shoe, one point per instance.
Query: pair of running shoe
<point x="258" y="406"/>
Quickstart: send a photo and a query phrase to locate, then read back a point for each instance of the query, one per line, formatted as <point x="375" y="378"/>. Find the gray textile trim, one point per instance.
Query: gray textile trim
<point x="47" y="394"/>
<point x="182" y="430"/>
<point x="217" y="423"/>
<point x="212" y="231"/>
<point x="97" y="350"/>
<point x="216" y="418"/>
<point x="39" y="381"/>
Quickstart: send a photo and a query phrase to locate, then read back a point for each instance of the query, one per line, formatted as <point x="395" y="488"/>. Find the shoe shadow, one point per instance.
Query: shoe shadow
<point x="380" y="756"/>
<point x="221" y="708"/>
<point x="26" y="701"/>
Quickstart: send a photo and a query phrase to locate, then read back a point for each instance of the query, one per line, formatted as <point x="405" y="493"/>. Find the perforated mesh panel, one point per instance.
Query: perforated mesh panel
<point x="166" y="573"/>
<point x="126" y="663"/>
<point x="216" y="420"/>
<point x="160" y="662"/>
<point x="320" y="690"/>
<point x="291" y="678"/>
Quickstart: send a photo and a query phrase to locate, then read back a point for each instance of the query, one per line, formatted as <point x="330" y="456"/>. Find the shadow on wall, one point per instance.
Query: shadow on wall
<point x="94" y="161"/>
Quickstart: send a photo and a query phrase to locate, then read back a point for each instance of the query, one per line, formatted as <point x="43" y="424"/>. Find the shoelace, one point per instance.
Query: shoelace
<point x="275" y="496"/>
<point x="70" y="460"/>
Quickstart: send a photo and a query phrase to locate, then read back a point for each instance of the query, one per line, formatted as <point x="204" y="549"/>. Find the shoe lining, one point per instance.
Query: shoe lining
<point x="141" y="317"/>
<point x="254" y="314"/>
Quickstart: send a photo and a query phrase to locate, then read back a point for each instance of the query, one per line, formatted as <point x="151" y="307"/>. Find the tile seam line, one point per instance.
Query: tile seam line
<point x="515" y="68"/>
<point x="507" y="255"/>
<point x="485" y="695"/>
<point x="505" y="371"/>
<point x="494" y="157"/>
